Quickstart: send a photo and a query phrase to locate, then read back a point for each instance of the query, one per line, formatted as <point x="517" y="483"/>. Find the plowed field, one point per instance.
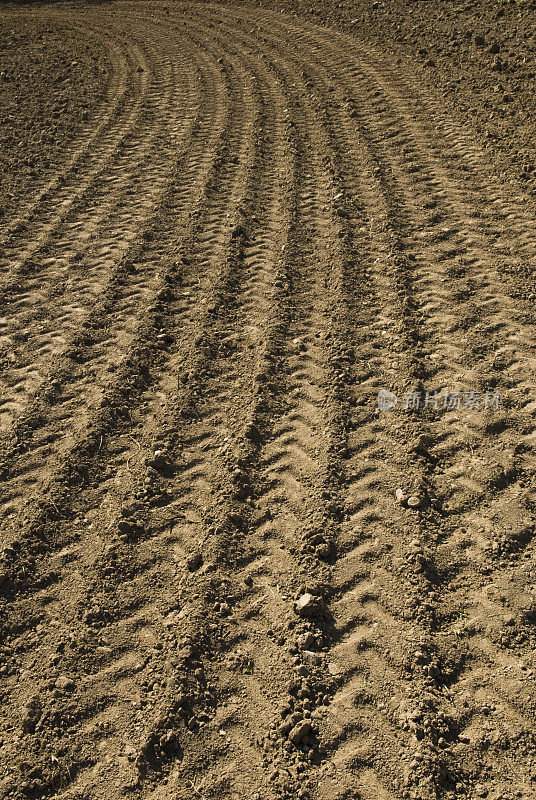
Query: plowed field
<point x="228" y="571"/>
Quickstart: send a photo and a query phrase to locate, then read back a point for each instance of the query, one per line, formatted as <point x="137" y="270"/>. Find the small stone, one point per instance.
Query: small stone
<point x="235" y="519"/>
<point x="306" y="605"/>
<point x="130" y="528"/>
<point x="401" y="496"/>
<point x="311" y="658"/>
<point x="420" y="658"/>
<point x="252" y="433"/>
<point x="285" y="728"/>
<point x="64" y="684"/>
<point x="494" y="48"/>
<point x="414" y="501"/>
<point x="299" y="732"/>
<point x="239" y="231"/>
<point x="161" y="462"/>
<point x="306" y="640"/>
<point x="480" y="41"/>
<point x="164" y="295"/>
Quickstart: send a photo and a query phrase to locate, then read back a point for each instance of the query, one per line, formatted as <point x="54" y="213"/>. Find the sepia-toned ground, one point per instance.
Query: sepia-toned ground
<point x="225" y="571"/>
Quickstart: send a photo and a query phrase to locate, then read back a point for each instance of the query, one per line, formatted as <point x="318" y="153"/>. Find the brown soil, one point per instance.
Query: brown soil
<point x="225" y="572"/>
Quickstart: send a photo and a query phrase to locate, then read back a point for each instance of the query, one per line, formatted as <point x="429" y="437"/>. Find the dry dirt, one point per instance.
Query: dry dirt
<point x="226" y="573"/>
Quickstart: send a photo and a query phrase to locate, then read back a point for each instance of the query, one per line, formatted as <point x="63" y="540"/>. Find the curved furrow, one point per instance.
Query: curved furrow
<point x="212" y="459"/>
<point x="119" y="90"/>
<point x="82" y="263"/>
<point x="495" y="665"/>
<point x="34" y="230"/>
<point x="93" y="349"/>
<point x="228" y="171"/>
<point x="195" y="166"/>
<point x="367" y="509"/>
<point x="287" y="441"/>
<point x="502" y="473"/>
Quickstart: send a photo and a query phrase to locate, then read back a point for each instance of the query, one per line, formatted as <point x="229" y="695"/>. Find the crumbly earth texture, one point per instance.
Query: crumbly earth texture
<point x="267" y="400"/>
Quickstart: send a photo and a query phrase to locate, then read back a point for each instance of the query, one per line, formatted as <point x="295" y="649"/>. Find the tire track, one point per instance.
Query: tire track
<point x="203" y="440"/>
<point x="118" y="91"/>
<point x="497" y="664"/>
<point x="135" y="276"/>
<point x="345" y="714"/>
<point x="272" y="538"/>
<point x="67" y="188"/>
<point x="207" y="215"/>
<point x="75" y="288"/>
<point x="383" y="128"/>
<point x="285" y="469"/>
<point x="189" y="518"/>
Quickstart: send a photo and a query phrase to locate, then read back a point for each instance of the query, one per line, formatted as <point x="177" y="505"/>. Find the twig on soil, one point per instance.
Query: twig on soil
<point x="196" y="790"/>
<point x="128" y="436"/>
<point x="54" y="506"/>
